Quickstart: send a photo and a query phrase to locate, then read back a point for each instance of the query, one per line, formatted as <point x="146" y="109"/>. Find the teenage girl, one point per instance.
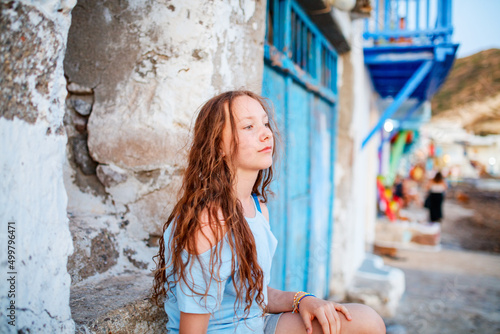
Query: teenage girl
<point x="215" y="257"/>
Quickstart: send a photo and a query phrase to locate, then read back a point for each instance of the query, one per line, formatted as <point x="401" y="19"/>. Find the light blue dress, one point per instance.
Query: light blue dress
<point x="221" y="293"/>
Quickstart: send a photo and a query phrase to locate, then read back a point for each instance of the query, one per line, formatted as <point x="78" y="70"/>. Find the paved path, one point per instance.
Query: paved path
<point x="452" y="291"/>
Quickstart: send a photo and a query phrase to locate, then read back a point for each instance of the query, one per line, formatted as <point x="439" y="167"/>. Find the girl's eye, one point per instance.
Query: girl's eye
<point x="267" y="125"/>
<point x="248" y="127"/>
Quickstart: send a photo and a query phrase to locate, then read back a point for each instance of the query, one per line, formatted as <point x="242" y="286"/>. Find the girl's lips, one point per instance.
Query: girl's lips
<point x="266" y="149"/>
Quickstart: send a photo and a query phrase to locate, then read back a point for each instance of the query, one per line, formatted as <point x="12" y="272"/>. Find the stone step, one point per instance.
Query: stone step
<point x="377" y="285"/>
<point x="118" y="305"/>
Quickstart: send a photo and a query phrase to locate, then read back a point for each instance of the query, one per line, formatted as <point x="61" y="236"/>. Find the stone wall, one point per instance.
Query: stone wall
<point x="104" y="146"/>
<point x="32" y="151"/>
<point x="137" y="73"/>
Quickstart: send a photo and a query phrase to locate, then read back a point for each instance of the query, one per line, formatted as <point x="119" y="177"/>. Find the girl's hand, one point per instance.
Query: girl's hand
<point x="326" y="312"/>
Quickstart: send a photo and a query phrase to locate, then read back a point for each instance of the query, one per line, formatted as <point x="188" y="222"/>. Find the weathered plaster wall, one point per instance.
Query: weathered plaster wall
<point x="138" y="71"/>
<point x="353" y="207"/>
<point x="371" y="160"/>
<point x="32" y="151"/>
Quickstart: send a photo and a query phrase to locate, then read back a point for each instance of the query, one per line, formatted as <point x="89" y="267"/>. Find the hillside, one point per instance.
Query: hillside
<point x="472" y="79"/>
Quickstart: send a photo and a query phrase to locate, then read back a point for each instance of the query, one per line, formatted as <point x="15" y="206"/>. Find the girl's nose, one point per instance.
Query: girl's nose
<point x="267" y="134"/>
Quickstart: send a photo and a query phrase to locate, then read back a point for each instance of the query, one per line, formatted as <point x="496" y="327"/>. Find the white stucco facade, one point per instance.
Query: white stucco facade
<point x="32" y="151"/>
<point x="355" y="168"/>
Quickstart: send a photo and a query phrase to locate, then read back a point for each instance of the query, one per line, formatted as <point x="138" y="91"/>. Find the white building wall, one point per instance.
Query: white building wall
<point x="32" y="152"/>
<point x="355" y="169"/>
<point x="366" y="162"/>
<point x="359" y="276"/>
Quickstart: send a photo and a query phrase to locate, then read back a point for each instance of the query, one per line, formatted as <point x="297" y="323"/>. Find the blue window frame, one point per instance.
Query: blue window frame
<point x="294" y="43"/>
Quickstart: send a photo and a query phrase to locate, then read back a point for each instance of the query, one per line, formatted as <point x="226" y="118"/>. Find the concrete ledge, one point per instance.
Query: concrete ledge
<point x="408" y="235"/>
<point x="377" y="285"/>
<point x="116" y="305"/>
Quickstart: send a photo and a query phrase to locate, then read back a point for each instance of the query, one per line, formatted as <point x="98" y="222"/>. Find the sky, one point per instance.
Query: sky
<point x="476" y="25"/>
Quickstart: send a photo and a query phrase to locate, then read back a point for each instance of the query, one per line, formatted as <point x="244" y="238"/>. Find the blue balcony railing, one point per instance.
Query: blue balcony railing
<point x="414" y="22"/>
<point x="408" y="53"/>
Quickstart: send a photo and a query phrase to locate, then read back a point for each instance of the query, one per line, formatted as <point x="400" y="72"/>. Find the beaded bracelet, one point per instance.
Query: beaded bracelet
<point x="297" y="299"/>
<point x="302" y="297"/>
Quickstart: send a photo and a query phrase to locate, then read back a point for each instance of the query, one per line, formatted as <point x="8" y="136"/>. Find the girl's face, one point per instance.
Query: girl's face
<point x="255" y="138"/>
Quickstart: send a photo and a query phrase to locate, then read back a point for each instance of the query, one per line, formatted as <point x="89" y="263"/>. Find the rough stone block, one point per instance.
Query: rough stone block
<point x="81" y="154"/>
<point x="75" y="88"/>
<point x="142" y="69"/>
<point x="378" y="286"/>
<point x="118" y="304"/>
<point x="29" y="46"/>
<point x="110" y="175"/>
<point x="80" y="123"/>
<point x="152" y="210"/>
<point x="95" y="250"/>
<point x="139" y="146"/>
<point x="81" y="104"/>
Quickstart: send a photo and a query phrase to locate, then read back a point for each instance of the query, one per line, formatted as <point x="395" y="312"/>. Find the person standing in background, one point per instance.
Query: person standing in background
<point x="435" y="197"/>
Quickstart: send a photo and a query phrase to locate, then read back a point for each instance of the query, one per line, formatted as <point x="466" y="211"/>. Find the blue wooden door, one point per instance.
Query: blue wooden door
<point x="322" y="163"/>
<point x="298" y="195"/>
<point x="301" y="86"/>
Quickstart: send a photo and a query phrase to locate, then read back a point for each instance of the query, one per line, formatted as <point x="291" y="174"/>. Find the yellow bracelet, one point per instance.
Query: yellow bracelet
<point x="295" y="305"/>
<point x="297" y="300"/>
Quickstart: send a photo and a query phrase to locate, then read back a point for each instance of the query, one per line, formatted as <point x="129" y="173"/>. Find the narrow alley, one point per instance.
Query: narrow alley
<point x="456" y="289"/>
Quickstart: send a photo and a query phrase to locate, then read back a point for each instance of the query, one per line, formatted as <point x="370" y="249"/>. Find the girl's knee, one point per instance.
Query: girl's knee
<point x="366" y="320"/>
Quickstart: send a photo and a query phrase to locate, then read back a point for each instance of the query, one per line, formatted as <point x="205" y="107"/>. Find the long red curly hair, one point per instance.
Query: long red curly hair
<point x="208" y="187"/>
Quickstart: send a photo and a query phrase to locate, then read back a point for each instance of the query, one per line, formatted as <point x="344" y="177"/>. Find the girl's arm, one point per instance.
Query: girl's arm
<point x="205" y="238"/>
<point x="193" y="323"/>
<point x="279" y="301"/>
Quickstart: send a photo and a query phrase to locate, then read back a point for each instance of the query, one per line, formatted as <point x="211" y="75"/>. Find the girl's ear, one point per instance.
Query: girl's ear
<point x="222" y="151"/>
